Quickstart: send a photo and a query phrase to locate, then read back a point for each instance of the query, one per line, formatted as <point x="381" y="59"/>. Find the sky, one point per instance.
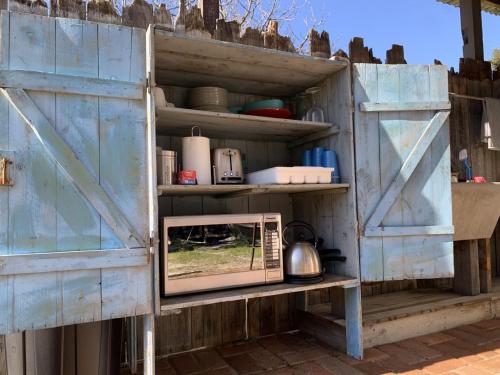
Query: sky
<point x="426" y="28"/>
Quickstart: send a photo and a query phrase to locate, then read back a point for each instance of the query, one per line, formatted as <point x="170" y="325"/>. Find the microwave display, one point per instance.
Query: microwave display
<point x="205" y="250"/>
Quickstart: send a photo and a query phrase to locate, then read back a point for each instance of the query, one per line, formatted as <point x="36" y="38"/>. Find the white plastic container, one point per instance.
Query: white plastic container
<point x="291" y="175"/>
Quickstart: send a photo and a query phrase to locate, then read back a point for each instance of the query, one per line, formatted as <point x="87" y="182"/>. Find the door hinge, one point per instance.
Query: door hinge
<point x="149" y="84"/>
<point x="4" y="172"/>
<point x="153" y="242"/>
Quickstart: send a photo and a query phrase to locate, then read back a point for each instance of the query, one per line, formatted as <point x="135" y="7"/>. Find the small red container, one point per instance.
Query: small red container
<point x="186" y="178"/>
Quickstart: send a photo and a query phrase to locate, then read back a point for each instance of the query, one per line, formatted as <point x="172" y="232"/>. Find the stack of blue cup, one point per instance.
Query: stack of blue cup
<point x="322" y="157"/>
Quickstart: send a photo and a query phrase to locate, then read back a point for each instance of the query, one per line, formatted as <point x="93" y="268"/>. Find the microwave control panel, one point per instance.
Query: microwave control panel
<point x="272" y="245"/>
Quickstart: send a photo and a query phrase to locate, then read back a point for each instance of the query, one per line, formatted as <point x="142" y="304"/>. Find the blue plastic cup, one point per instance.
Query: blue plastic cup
<point x="317" y="156"/>
<point x="307" y="158"/>
<point x="329" y="160"/>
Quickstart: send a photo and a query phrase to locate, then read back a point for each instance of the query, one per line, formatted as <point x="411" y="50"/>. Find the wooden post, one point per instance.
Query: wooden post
<point x="353" y="322"/>
<point x="149" y="344"/>
<point x="395" y="55"/>
<point x="484" y="248"/>
<point x="466" y="256"/>
<point x="132" y="344"/>
<point x="68" y="9"/>
<point x="472" y="29"/>
<point x="210" y="13"/>
<point x="102" y="11"/>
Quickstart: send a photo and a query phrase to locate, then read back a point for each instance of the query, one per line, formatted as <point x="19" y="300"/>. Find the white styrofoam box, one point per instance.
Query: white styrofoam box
<point x="291" y="175"/>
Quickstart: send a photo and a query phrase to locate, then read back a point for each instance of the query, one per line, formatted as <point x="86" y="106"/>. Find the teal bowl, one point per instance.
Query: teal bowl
<point x="263" y="104"/>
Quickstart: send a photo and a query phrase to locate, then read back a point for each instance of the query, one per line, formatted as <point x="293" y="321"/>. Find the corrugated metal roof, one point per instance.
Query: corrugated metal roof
<point x="486" y="5"/>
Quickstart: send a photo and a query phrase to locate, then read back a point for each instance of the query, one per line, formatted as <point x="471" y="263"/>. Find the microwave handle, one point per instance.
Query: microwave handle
<point x="254" y="238"/>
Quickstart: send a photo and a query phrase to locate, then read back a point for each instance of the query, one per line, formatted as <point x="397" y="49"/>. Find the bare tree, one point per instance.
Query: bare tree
<point x="258" y="13"/>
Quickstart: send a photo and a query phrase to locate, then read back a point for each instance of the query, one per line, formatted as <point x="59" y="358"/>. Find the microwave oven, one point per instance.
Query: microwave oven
<point x="211" y="252"/>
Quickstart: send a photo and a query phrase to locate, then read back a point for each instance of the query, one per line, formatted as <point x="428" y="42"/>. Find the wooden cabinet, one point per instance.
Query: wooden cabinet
<point x="79" y="241"/>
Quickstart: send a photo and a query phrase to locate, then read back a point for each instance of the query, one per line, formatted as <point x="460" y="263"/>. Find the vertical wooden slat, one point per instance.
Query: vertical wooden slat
<point x="484" y="249"/>
<point x="33" y="216"/>
<point x="212" y="325"/>
<point x="43" y="352"/>
<point x="415" y="86"/>
<point x="196" y="322"/>
<point x="4" y="139"/>
<point x="254" y="317"/>
<point x="69" y="350"/>
<point x="282" y="312"/>
<point x="14" y="344"/>
<point x="122" y="164"/>
<point x="394" y="149"/>
<point x="33" y="199"/>
<point x="3" y="357"/>
<point x="178" y="331"/>
<point x="368" y="169"/>
<point x="78" y="224"/>
<point x="267" y="316"/>
<point x="233" y="321"/>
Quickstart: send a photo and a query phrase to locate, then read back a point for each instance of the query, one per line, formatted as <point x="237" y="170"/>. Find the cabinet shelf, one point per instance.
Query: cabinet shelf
<point x="179" y="121"/>
<point x="182" y="60"/>
<point x="208" y="298"/>
<point x="228" y="191"/>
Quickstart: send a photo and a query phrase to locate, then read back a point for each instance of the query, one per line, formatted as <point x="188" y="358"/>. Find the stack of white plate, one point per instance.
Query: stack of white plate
<point x="208" y="99"/>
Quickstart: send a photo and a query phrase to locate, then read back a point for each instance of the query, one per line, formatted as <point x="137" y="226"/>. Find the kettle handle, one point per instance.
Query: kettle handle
<point x="193" y="129"/>
<point x="299" y="223"/>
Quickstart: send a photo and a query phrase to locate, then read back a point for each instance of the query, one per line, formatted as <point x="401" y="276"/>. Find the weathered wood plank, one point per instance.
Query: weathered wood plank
<point x="70" y="260"/>
<point x="126" y="292"/>
<point x="232" y="191"/>
<point x="61" y="153"/>
<point x="407" y="168"/>
<point x="354" y="322"/>
<point x="393" y="152"/>
<point x="408" y="231"/>
<point x="69" y="84"/>
<point x="179" y="121"/>
<point x="78" y="223"/>
<point x="368" y="187"/>
<point x="4" y="129"/>
<point x="33" y="215"/>
<point x="173" y="303"/>
<point x="14" y="353"/>
<point x="124" y="120"/>
<point x="404" y="106"/>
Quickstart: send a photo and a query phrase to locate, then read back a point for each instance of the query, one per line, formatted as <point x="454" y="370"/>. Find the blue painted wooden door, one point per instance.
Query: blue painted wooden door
<point x="74" y="225"/>
<point x="403" y="171"/>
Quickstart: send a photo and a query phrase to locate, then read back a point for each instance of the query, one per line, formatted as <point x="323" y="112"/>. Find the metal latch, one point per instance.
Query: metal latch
<point x="4" y="172"/>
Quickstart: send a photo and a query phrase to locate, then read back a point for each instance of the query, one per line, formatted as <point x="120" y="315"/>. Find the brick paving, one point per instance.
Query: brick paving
<point x="472" y="349"/>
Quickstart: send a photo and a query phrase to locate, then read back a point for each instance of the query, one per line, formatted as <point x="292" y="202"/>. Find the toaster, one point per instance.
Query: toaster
<point x="227" y="166"/>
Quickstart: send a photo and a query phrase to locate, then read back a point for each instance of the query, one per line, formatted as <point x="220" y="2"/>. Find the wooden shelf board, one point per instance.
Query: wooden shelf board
<point x="200" y="299"/>
<point x="181" y="60"/>
<point x="239" y="190"/>
<point x="179" y="121"/>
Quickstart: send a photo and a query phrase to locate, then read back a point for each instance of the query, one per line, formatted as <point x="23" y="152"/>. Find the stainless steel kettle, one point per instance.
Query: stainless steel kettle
<point x="301" y="259"/>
